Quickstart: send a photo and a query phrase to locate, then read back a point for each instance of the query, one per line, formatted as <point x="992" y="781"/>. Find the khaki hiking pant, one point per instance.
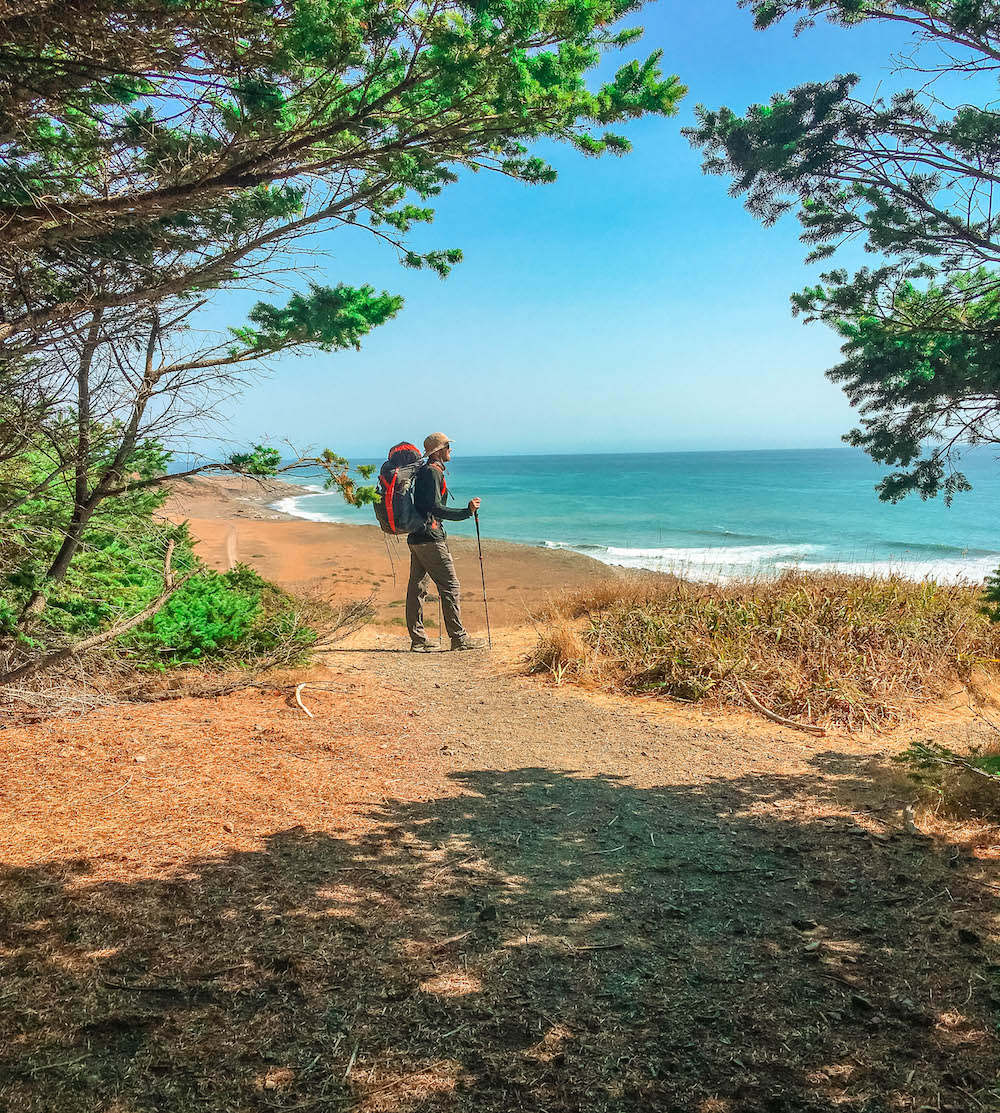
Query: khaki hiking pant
<point x="431" y="561"/>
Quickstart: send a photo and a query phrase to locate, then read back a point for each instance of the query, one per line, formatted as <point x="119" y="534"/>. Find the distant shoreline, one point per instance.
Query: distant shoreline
<point x="703" y="560"/>
<point x="973" y="450"/>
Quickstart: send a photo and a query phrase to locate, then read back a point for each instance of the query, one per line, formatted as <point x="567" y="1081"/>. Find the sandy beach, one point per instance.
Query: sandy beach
<point x="233" y="522"/>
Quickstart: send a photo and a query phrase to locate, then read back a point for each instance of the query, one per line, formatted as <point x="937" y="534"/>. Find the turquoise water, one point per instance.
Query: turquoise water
<point x="715" y="515"/>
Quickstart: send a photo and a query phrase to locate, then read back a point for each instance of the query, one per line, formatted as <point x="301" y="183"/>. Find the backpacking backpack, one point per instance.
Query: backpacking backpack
<point x="395" y="511"/>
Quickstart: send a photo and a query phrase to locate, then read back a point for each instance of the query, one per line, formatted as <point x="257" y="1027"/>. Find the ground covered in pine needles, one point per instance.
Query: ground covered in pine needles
<point x="480" y="892"/>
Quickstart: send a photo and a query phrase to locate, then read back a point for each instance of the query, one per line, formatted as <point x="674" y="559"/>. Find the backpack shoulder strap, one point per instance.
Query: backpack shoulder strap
<point x="440" y="469"/>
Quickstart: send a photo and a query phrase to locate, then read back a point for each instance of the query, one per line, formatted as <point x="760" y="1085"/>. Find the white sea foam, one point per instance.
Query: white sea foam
<point x="949" y="571"/>
<point x="710" y="556"/>
<point x="718" y="564"/>
<point x="292" y="505"/>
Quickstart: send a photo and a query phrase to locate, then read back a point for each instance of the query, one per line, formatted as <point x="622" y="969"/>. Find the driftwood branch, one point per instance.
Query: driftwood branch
<point x="298" y="700"/>
<point x="40" y="664"/>
<point x="775" y="718"/>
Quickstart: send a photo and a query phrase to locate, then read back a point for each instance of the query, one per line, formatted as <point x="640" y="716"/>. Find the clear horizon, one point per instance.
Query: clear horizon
<point x="979" y="452"/>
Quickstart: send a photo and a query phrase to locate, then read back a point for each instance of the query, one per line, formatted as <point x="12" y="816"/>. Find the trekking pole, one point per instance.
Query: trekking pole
<point x="389" y="554"/>
<point x="482" y="570"/>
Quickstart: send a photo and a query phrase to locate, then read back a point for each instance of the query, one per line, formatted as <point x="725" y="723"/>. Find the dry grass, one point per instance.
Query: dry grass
<point x="967" y="794"/>
<point x="852" y="650"/>
<point x="959" y="786"/>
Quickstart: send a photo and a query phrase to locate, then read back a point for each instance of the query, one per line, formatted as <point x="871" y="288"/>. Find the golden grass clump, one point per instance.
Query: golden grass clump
<point x="563" y="650"/>
<point x="829" y="647"/>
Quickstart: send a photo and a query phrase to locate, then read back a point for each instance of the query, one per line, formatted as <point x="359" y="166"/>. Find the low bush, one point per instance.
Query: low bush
<point x="216" y="618"/>
<point x="234" y="616"/>
<point x="957" y="785"/>
<point x="822" y="648"/>
<point x="230" y="626"/>
<point x="205" y="617"/>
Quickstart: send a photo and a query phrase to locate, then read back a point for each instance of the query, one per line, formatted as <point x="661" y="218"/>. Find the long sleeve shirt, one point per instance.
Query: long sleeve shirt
<point x="430" y="498"/>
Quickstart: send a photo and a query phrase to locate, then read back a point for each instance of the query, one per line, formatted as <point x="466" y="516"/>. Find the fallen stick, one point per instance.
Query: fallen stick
<point x="298" y="700"/>
<point x="446" y="943"/>
<point x="116" y="791"/>
<point x="775" y="718"/>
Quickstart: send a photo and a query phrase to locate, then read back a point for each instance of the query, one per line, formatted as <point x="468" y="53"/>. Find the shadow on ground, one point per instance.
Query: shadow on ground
<point x="539" y="941"/>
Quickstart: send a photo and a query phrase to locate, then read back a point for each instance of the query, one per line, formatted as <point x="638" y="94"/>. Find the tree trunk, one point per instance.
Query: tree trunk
<point x="84" y="503"/>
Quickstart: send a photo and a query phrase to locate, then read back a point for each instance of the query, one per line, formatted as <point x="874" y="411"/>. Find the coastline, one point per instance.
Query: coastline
<point x="228" y="496"/>
<point x="238" y="499"/>
<point x="715" y="555"/>
<point x="233" y="498"/>
<point x="234" y="521"/>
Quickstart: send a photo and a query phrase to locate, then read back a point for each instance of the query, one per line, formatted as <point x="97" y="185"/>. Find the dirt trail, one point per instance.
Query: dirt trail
<point x="231" y="555"/>
<point x="668" y="909"/>
<point x="484" y="704"/>
<point x="459" y="889"/>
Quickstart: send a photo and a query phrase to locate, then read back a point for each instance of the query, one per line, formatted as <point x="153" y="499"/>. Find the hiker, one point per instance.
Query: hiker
<point x="430" y="558"/>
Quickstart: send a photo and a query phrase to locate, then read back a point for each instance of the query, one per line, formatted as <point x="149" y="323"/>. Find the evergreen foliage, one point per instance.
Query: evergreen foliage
<point x="118" y="570"/>
<point x="153" y="152"/>
<point x="176" y="145"/>
<point x="235" y="614"/>
<point x="912" y="182"/>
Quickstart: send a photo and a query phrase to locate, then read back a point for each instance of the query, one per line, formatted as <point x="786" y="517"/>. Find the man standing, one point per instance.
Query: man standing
<point x="430" y="557"/>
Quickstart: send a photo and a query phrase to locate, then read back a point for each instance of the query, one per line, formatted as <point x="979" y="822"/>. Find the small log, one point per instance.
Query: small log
<point x="775" y="718"/>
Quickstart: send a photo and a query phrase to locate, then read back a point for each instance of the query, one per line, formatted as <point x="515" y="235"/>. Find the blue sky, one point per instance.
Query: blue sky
<point x="631" y="306"/>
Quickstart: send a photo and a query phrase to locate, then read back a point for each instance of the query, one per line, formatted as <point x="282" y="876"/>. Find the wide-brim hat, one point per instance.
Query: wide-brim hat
<point x="435" y="441"/>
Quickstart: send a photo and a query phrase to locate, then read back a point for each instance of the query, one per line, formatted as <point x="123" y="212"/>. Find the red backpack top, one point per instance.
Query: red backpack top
<point x="395" y="511"/>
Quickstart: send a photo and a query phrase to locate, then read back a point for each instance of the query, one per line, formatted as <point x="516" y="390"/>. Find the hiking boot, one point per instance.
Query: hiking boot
<point x="421" y="647"/>
<point x="468" y="643"/>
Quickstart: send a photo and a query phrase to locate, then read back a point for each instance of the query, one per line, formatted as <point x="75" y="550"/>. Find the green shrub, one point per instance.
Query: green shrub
<point x="235" y="616"/>
<point x="280" y="624"/>
<point x="208" y="616"/>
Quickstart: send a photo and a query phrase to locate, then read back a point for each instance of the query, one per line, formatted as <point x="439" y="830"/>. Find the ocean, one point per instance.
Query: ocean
<point x="717" y="515"/>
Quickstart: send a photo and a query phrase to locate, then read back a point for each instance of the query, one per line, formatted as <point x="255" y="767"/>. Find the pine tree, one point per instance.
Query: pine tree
<point x="178" y="144"/>
<point x="914" y="184"/>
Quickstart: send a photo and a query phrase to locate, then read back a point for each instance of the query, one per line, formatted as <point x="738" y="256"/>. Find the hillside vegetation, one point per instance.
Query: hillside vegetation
<point x="823" y="649"/>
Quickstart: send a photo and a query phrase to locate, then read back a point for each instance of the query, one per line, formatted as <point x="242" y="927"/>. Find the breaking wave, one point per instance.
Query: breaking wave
<point x="292" y="504"/>
<point x="727" y="562"/>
